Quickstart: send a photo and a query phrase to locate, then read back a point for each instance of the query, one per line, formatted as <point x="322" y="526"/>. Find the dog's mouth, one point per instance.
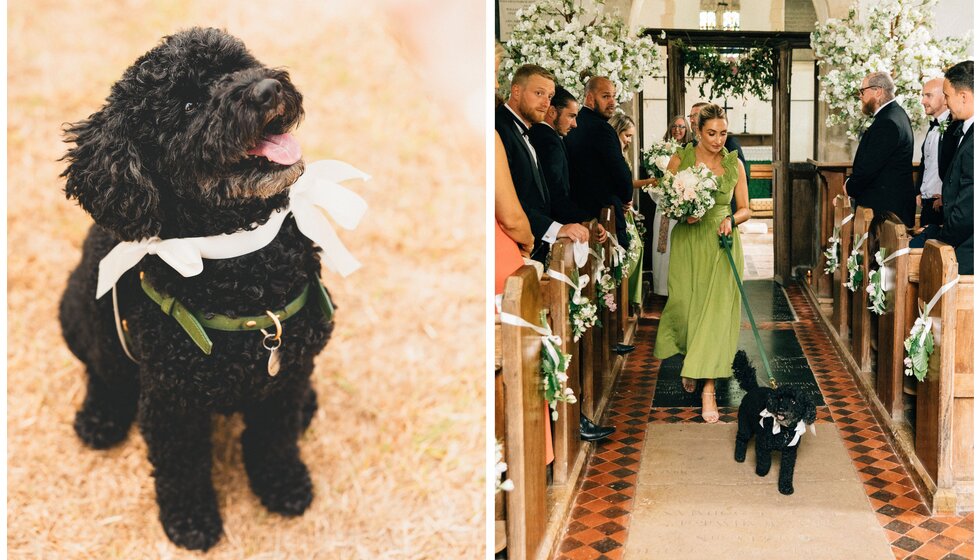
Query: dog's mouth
<point x="275" y="144"/>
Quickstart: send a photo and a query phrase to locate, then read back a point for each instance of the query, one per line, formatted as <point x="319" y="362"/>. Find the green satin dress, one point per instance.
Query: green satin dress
<point x="702" y="317"/>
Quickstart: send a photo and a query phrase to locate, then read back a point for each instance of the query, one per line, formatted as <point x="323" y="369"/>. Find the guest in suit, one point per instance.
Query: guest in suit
<point x="731" y="143"/>
<point x="598" y="173"/>
<point x="547" y="137"/>
<point x="957" y="228"/>
<point x="530" y="96"/>
<point x="930" y="182"/>
<point x="882" y="172"/>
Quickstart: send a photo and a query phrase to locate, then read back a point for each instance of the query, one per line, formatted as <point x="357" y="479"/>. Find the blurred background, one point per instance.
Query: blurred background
<point x="396" y="450"/>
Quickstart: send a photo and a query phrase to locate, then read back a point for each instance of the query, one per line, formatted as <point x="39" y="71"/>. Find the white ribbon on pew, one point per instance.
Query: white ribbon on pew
<point x="927" y="320"/>
<point x="583" y="280"/>
<point x="580" y="253"/>
<point x="860" y="241"/>
<point x="550" y="340"/>
<point x="846" y="219"/>
<point x="888" y="273"/>
<point x="617" y="252"/>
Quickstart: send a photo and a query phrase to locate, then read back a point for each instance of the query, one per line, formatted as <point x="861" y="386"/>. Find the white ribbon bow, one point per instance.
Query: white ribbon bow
<point x="860" y="241"/>
<point x="777" y="428"/>
<point x="583" y="280"/>
<point x="846" y="219"/>
<point x="550" y="340"/>
<point x="316" y="191"/>
<point x="888" y="273"/>
<point x="924" y="317"/>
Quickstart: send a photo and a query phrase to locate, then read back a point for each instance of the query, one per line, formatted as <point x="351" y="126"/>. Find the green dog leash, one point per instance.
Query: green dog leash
<point x="725" y="242"/>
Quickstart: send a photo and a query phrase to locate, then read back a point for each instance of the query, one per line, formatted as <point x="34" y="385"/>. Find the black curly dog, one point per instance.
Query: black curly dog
<point x="788" y="405"/>
<point x="168" y="156"/>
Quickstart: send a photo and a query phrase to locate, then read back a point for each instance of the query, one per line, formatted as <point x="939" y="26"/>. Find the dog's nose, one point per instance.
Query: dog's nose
<point x="266" y="92"/>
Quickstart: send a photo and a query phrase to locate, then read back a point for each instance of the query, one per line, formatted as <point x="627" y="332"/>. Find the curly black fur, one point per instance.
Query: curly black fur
<point x="788" y="404"/>
<point x="167" y="156"/>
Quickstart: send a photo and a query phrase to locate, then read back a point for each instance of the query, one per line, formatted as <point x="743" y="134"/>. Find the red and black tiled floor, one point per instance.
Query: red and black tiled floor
<point x="599" y="521"/>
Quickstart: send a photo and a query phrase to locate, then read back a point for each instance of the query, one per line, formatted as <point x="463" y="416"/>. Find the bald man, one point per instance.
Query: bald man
<point x="932" y="167"/>
<point x="597" y="170"/>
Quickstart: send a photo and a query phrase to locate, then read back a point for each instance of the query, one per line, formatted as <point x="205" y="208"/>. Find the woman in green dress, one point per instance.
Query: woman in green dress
<point x="702" y="317"/>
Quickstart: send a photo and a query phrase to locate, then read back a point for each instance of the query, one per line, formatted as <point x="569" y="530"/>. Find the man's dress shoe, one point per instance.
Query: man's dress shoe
<point x="590" y="432"/>
<point x="622" y="349"/>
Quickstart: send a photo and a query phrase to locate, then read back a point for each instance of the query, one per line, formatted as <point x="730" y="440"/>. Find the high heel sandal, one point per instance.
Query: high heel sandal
<point x="710" y="417"/>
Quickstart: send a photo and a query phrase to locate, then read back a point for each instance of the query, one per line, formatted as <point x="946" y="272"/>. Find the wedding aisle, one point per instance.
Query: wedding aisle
<point x="665" y="484"/>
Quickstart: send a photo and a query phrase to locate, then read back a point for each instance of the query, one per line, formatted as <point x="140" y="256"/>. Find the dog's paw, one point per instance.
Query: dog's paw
<point x="762" y="471"/>
<point x="99" y="429"/>
<point x="193" y="529"/>
<point x="739" y="455"/>
<point x="785" y="489"/>
<point x="283" y="487"/>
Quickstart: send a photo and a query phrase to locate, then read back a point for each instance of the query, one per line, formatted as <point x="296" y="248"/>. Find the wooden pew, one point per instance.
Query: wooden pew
<point x="524" y="416"/>
<point x="944" y="400"/>
<point x="840" y="318"/>
<point x="598" y="334"/>
<point x="860" y="327"/>
<point x="900" y="312"/>
<point x="610" y="319"/>
<point x="590" y="368"/>
<point x="556" y="297"/>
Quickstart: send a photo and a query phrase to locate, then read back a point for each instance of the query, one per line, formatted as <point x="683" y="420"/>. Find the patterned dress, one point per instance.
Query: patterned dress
<point x="702" y="317"/>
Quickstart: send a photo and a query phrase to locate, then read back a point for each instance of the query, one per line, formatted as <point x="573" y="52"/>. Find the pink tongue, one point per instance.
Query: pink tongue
<point x="280" y="148"/>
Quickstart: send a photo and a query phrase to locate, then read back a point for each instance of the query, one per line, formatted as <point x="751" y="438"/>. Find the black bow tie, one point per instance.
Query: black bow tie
<point x="933" y="124"/>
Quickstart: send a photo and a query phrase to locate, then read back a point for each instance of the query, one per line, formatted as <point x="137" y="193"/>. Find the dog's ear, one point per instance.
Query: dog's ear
<point x="809" y="410"/>
<point x="106" y="175"/>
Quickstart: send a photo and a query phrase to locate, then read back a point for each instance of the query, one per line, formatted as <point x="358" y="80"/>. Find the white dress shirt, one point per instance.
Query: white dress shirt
<point x="932" y="185"/>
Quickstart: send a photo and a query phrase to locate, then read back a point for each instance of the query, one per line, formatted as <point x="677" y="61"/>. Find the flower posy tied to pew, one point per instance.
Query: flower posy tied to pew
<point x="920" y="343"/>
<point x="582" y="313"/>
<point x="554" y="362"/>
<point x="832" y="254"/>
<point x="882" y="279"/>
<point x="854" y="273"/>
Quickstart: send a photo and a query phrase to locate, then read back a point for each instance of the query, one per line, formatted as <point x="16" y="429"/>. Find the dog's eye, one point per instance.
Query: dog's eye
<point x="189" y="106"/>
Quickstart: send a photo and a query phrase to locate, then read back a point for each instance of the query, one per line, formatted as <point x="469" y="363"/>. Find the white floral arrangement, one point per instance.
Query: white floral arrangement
<point x="832" y="254"/>
<point x="501" y="467"/>
<point x="605" y="285"/>
<point x="576" y="42"/>
<point x="686" y="194"/>
<point x="583" y="314"/>
<point x="554" y="378"/>
<point x="656" y="157"/>
<point x="918" y="347"/>
<point x="876" y="293"/>
<point x="891" y="36"/>
<point x="854" y="273"/>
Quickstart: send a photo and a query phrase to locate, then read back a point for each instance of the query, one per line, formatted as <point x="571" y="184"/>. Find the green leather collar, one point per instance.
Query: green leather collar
<point x="194" y="322"/>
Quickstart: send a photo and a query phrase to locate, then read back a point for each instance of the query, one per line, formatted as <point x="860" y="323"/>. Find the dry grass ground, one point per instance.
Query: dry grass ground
<point x="396" y="450"/>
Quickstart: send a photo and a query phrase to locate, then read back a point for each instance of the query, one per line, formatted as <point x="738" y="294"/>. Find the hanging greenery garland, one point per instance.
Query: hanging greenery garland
<point x="750" y="71"/>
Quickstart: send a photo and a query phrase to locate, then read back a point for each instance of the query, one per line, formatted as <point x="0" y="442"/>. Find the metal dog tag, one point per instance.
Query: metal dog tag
<point x="272" y="344"/>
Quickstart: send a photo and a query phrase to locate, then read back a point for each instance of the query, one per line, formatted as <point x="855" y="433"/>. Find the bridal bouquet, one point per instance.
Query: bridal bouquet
<point x="656" y="158"/>
<point x="686" y="194"/>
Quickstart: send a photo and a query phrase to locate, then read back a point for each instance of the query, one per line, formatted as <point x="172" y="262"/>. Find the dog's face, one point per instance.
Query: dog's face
<point x="196" y="123"/>
<point x="789" y="405"/>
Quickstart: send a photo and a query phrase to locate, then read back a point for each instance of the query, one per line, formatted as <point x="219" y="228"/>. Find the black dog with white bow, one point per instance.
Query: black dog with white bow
<point x="776" y="417"/>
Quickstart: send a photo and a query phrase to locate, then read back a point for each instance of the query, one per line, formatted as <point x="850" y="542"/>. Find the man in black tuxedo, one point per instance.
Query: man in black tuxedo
<point x="957" y="228"/>
<point x="882" y="174"/>
<point x="597" y="169"/>
<point x="547" y="139"/>
<point x="530" y="95"/>
<point x="930" y="179"/>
